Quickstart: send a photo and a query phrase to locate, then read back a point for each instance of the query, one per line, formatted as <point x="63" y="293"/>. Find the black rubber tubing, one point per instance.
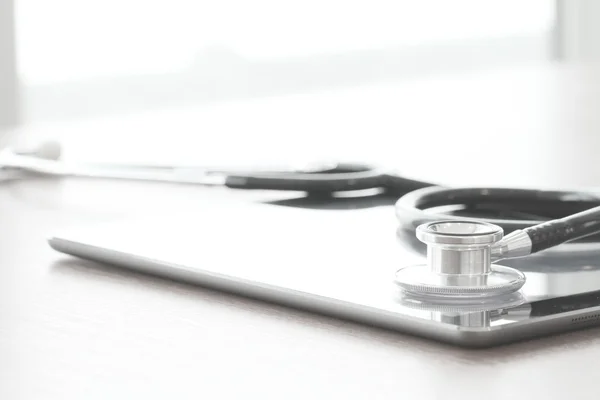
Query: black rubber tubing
<point x="413" y="209"/>
<point x="555" y="232"/>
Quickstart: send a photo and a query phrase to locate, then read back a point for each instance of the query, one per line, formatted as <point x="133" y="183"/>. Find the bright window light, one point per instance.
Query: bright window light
<point x="70" y="40"/>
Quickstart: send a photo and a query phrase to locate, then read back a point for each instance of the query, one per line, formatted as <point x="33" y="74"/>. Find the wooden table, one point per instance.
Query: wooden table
<point x="71" y="330"/>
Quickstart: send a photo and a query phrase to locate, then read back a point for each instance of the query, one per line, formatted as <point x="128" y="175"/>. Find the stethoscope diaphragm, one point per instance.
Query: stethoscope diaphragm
<point x="459" y="263"/>
<point x="420" y="280"/>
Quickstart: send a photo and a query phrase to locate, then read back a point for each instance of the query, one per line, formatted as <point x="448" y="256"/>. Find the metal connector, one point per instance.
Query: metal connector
<point x="516" y="244"/>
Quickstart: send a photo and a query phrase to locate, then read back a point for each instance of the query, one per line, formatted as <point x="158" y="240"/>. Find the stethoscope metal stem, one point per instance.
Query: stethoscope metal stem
<point x="514" y="245"/>
<point x="462" y="248"/>
<point x="449" y="260"/>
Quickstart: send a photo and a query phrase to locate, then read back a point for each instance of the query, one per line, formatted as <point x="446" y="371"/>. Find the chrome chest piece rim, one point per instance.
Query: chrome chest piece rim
<point x="459" y="263"/>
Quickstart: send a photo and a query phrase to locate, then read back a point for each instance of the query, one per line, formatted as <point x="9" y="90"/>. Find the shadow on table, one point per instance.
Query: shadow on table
<point x="328" y="202"/>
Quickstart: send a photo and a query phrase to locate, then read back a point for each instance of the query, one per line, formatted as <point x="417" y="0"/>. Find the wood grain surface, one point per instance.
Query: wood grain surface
<point x="72" y="330"/>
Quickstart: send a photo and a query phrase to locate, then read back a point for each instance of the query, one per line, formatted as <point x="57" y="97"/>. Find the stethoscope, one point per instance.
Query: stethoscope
<point x="464" y="241"/>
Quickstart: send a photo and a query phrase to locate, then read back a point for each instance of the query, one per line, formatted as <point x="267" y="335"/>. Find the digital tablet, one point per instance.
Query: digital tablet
<point x="340" y="263"/>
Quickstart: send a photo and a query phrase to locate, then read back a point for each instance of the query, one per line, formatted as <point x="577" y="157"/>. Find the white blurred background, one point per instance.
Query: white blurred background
<point x="271" y="80"/>
<point x="86" y="58"/>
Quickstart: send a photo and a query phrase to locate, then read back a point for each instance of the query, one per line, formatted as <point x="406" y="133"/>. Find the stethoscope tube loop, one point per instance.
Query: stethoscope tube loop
<point x="535" y="206"/>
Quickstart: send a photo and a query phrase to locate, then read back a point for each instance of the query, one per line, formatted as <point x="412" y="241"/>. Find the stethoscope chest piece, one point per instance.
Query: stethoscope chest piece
<point x="459" y="263"/>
